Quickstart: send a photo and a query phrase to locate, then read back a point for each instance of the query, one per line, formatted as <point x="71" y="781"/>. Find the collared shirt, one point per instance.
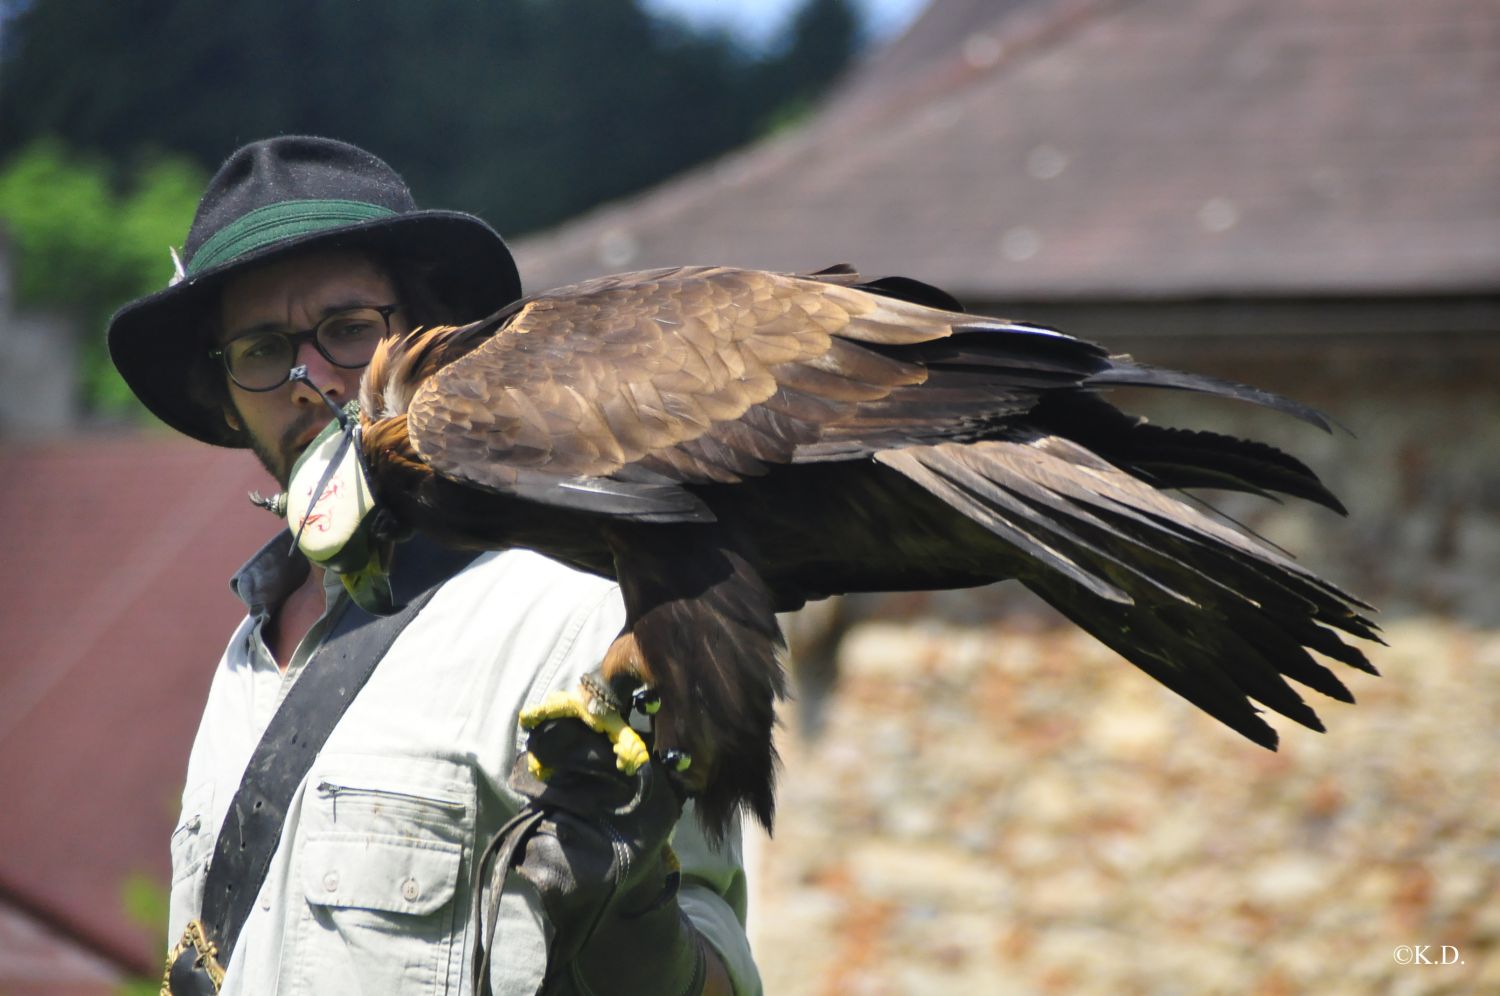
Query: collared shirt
<point x="368" y="890"/>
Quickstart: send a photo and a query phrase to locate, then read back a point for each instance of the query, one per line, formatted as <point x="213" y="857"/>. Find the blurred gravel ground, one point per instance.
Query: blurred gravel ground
<point x="1002" y="810"/>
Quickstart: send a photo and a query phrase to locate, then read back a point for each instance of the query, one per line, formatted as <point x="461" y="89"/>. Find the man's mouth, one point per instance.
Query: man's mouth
<point x="290" y="446"/>
<point x="299" y="435"/>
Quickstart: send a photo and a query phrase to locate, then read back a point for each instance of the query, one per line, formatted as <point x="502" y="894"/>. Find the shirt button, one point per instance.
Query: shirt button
<point x="331" y="881"/>
<point x="410" y="890"/>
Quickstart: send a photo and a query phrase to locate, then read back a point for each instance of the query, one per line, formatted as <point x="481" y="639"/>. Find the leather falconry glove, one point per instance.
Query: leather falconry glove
<point x="593" y="843"/>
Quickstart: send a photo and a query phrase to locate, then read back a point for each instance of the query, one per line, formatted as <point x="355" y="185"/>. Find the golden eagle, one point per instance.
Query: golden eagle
<point x="731" y="443"/>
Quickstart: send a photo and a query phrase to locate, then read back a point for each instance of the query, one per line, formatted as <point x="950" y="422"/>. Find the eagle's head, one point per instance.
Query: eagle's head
<point x="330" y="503"/>
<point x="334" y="516"/>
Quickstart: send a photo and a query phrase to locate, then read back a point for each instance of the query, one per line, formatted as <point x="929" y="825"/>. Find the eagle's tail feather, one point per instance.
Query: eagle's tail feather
<point x="1126" y="372"/>
<point x="1180" y="458"/>
<point x="1213" y="614"/>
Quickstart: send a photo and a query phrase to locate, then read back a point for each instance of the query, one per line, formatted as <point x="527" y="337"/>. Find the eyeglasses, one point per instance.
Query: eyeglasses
<point x="262" y="361"/>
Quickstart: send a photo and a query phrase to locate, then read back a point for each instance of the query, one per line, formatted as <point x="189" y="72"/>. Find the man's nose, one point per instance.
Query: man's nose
<point x="324" y="375"/>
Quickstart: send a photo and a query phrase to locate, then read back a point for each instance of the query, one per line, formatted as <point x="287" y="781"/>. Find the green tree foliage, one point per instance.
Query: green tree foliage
<point x="823" y="35"/>
<point x="82" y="245"/>
<point x="522" y="111"/>
<point x="145" y="902"/>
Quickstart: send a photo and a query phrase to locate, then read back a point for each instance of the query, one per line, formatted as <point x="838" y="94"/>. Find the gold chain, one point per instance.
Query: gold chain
<point x="208" y="957"/>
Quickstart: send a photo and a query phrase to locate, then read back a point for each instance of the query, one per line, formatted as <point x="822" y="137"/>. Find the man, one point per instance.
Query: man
<point x="304" y="252"/>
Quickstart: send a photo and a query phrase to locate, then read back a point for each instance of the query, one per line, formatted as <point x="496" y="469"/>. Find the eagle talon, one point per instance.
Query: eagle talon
<point x="647" y="700"/>
<point x="581" y="703"/>
<point x="676" y="760"/>
<point x="538" y="770"/>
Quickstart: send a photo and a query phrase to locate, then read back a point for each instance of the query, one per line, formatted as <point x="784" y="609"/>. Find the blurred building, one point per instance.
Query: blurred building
<point x="117" y="554"/>
<point x="38" y="360"/>
<point x="1304" y="194"/>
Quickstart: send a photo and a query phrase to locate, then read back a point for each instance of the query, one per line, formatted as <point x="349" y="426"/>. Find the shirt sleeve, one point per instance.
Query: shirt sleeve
<point x="714" y="887"/>
<point x="714" y="897"/>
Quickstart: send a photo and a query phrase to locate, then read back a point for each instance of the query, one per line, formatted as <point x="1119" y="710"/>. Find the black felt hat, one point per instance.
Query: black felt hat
<point x="279" y="196"/>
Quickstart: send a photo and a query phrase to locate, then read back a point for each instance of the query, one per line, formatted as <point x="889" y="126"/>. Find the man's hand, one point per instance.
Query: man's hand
<point x="600" y="861"/>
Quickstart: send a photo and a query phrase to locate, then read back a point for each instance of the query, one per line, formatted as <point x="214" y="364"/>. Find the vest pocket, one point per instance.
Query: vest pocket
<point x="394" y="875"/>
<point x="380" y="868"/>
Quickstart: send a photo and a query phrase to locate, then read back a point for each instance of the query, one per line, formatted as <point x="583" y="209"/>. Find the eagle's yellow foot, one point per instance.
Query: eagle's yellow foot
<point x="585" y="704"/>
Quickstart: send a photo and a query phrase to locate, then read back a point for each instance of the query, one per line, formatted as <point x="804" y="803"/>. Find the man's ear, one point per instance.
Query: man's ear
<point x="232" y="419"/>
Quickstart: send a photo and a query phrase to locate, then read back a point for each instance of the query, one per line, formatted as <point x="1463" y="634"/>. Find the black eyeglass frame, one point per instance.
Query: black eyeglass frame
<point x="296" y="339"/>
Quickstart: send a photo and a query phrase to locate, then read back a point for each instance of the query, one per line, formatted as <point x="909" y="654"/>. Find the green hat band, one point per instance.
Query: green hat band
<point x="277" y="223"/>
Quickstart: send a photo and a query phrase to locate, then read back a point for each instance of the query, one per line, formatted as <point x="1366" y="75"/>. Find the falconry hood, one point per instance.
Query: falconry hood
<point x="331" y="510"/>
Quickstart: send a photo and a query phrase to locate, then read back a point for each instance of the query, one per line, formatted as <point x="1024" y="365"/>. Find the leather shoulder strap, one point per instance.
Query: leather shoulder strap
<point x="332" y="677"/>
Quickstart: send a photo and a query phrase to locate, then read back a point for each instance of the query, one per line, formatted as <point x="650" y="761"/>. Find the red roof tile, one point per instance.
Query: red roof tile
<point x="117" y="552"/>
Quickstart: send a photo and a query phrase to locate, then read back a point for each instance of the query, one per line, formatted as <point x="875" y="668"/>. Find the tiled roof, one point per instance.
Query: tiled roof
<point x="1086" y="148"/>
<point x="116" y="607"/>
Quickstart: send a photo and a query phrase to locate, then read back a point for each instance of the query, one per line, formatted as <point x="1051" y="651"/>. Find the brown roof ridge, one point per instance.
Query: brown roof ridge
<point x="1008" y="35"/>
<point x="1016" y="32"/>
<point x="1120" y="148"/>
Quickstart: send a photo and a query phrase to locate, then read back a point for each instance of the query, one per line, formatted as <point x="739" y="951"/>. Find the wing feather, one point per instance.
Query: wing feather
<point x="700" y="374"/>
<point x="1212" y="614"/>
<point x="624" y="396"/>
<point x="710" y="375"/>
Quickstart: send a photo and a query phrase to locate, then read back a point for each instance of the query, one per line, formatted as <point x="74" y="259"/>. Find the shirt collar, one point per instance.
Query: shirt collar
<point x="270" y="576"/>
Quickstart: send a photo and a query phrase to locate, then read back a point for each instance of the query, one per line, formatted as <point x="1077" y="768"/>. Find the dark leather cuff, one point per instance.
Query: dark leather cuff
<point x="598" y="858"/>
<point x="641" y="958"/>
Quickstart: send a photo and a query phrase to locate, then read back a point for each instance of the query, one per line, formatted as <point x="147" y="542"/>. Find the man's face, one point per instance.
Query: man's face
<point x="293" y="295"/>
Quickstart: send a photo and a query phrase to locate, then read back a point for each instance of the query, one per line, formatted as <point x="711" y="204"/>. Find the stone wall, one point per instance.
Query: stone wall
<point x="996" y="810"/>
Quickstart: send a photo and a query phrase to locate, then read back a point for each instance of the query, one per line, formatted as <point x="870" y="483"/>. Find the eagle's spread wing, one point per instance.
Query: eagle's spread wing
<point x="739" y="441"/>
<point x="698" y="376"/>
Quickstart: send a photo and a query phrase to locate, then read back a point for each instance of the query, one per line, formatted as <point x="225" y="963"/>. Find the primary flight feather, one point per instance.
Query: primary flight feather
<point x="730" y="443"/>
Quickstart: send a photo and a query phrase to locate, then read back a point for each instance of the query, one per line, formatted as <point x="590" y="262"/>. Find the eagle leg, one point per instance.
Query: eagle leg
<point x="591" y="703"/>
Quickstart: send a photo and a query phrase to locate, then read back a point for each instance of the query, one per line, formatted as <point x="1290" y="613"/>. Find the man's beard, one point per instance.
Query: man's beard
<point x="278" y="456"/>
